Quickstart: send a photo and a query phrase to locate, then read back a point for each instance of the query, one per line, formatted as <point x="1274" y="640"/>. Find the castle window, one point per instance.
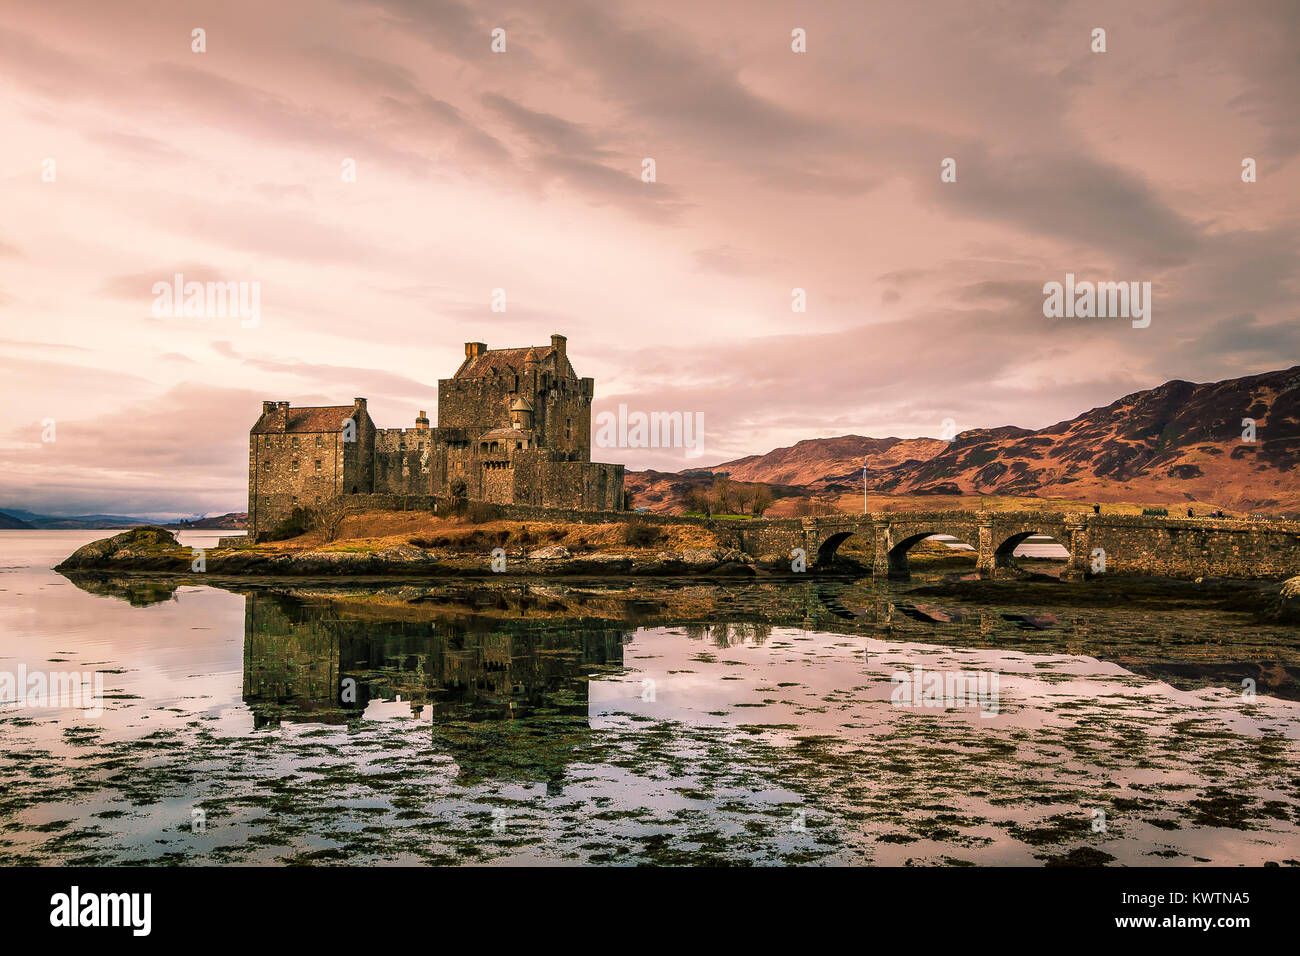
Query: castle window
<point x="266" y="466"/>
<point x="294" y="441"/>
<point x="294" y="464"/>
<point x="568" y="428"/>
<point x="519" y="444"/>
<point x="318" y="466"/>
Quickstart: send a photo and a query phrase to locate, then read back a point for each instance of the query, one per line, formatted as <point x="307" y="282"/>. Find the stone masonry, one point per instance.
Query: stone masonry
<point x="514" y="427"/>
<point x="1098" y="544"/>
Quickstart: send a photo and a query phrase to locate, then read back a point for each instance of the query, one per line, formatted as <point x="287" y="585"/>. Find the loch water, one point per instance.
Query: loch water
<point x="637" y="721"/>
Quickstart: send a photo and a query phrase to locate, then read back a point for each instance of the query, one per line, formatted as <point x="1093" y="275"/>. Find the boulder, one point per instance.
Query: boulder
<point x="149" y="541"/>
<point x="699" y="559"/>
<point x="1285" y="607"/>
<point x="553" y="553"/>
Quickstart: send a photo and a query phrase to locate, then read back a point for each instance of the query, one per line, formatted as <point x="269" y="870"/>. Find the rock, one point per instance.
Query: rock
<point x="773" y="562"/>
<point x="601" y="562"/>
<point x="608" y="557"/>
<point x="148" y="542"/>
<point x="701" y="558"/>
<point x="732" y="568"/>
<point x="554" y="552"/>
<point x="1285" y="607"/>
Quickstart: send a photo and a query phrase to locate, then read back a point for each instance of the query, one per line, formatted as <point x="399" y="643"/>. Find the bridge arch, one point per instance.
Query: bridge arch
<point x="898" y="547"/>
<point x="1006" y="539"/>
<point x="827" y="549"/>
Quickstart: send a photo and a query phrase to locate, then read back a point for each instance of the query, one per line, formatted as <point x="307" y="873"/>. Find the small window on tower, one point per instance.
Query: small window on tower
<point x="568" y="428"/>
<point x="318" y="466"/>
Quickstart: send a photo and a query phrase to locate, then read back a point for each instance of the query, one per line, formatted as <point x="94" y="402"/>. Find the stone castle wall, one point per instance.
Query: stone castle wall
<point x="545" y="461"/>
<point x="287" y="471"/>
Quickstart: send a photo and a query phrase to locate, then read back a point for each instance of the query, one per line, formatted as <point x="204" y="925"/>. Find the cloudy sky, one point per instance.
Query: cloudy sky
<point x="128" y="158"/>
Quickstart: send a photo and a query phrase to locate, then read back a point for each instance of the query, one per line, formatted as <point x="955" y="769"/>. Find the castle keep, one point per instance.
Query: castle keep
<point x="514" y="427"/>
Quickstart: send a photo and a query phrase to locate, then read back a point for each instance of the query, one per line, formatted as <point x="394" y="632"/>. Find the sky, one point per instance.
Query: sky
<point x="129" y="156"/>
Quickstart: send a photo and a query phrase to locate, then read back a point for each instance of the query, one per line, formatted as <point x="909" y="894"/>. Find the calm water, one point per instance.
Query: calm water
<point x="634" y="722"/>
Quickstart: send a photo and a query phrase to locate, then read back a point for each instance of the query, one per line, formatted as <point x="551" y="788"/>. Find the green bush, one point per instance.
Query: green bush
<point x="298" y="521"/>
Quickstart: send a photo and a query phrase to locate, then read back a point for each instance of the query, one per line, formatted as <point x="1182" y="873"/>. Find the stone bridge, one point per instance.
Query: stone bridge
<point x="1114" y="544"/>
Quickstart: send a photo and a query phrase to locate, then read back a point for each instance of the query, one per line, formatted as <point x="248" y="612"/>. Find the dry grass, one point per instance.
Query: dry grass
<point x="376" y="530"/>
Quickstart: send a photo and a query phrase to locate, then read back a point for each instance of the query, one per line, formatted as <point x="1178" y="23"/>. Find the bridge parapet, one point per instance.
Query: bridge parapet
<point x="1110" y="543"/>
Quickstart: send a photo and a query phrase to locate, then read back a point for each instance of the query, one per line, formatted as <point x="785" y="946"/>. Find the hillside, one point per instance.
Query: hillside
<point x="812" y="459"/>
<point x="1175" y="444"/>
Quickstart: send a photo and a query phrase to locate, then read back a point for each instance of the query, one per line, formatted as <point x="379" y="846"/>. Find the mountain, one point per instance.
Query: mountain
<point x="1175" y="443"/>
<point x="9" y="523"/>
<point x="1180" y="442"/>
<point x="807" y="461"/>
<point x="91" y="522"/>
<point x="232" y="521"/>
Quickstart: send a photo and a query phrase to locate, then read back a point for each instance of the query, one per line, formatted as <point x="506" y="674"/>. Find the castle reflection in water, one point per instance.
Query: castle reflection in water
<point x="322" y="662"/>
<point x="505" y="699"/>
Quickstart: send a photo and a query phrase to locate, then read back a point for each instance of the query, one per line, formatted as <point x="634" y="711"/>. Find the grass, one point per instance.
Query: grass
<point x="379" y="530"/>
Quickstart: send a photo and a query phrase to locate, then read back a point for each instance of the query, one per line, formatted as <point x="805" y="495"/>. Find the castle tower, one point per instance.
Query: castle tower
<point x="521" y="414"/>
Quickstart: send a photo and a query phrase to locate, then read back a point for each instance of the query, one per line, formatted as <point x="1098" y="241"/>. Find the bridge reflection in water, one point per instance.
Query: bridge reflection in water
<point x="502" y="674"/>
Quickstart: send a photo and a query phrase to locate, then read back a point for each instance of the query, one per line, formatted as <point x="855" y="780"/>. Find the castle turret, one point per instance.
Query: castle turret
<point x="521" y="414"/>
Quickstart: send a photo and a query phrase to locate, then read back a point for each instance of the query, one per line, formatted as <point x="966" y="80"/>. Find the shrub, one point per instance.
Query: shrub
<point x="640" y="534"/>
<point x="296" y="522"/>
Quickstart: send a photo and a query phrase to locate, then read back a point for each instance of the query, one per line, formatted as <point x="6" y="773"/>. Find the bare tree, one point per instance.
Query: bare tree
<point x="722" y="495"/>
<point x="698" y="501"/>
<point x="762" y="501"/>
<point x="328" y="517"/>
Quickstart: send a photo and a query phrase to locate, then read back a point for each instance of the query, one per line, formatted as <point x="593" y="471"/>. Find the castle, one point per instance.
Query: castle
<point x="514" y="427"/>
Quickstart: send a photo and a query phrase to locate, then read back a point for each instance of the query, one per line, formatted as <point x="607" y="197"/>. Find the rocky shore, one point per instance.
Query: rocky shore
<point x="156" y="550"/>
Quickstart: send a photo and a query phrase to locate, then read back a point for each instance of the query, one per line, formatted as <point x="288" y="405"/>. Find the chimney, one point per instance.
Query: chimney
<point x="279" y="412"/>
<point x="474" y="349"/>
<point x="422" y="421"/>
<point x="359" y="404"/>
<point x="557" y="343"/>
